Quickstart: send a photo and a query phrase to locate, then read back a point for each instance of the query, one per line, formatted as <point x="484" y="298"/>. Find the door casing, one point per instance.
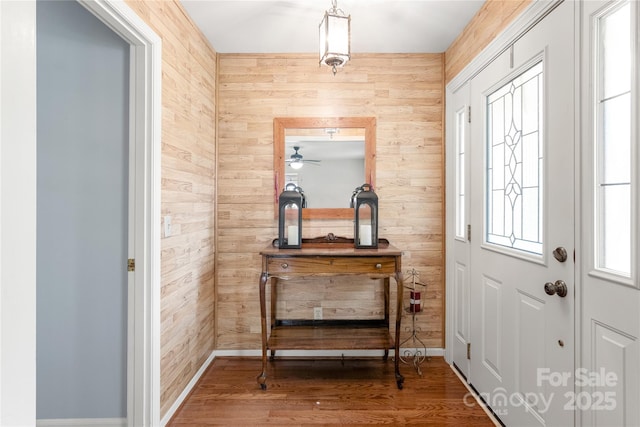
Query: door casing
<point x="143" y="385"/>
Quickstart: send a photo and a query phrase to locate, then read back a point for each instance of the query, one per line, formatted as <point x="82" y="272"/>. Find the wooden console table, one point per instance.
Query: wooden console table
<point x="322" y="257"/>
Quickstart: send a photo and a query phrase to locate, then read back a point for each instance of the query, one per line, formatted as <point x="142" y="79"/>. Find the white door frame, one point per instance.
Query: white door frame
<point x="143" y="355"/>
<point x="18" y="211"/>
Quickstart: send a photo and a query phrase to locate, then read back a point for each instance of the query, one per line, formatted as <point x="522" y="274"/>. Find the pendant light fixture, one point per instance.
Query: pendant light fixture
<point x="335" y="38"/>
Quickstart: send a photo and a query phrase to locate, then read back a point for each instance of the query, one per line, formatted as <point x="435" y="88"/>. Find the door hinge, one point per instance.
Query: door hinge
<point x="469" y="232"/>
<point x="469" y="351"/>
<point x="131" y="264"/>
<point x="469" y="114"/>
<point x="511" y="57"/>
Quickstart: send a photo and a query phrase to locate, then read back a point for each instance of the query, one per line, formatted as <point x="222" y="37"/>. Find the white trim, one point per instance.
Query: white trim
<point x="577" y="197"/>
<point x="17" y="213"/>
<point x="449" y="232"/>
<point x="187" y="390"/>
<point x="143" y="363"/>
<point x="83" y="422"/>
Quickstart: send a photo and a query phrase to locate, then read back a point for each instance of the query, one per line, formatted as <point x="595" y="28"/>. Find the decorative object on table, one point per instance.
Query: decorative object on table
<point x="291" y="202"/>
<point x="418" y="353"/>
<point x="335" y="38"/>
<point x="365" y="207"/>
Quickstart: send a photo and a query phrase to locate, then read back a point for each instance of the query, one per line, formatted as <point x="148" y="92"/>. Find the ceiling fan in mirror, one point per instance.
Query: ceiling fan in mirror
<point x="296" y="161"/>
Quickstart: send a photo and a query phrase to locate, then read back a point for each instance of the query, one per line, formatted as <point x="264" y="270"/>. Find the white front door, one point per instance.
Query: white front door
<point x="609" y="383"/>
<point x="522" y="190"/>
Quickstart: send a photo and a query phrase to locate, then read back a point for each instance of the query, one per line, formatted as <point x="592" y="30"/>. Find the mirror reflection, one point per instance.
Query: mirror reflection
<point x="328" y="157"/>
<point x="326" y="163"/>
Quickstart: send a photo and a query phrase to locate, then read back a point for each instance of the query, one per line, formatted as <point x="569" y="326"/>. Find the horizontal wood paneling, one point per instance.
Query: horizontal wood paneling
<point x="489" y="21"/>
<point x="405" y="94"/>
<point x="188" y="170"/>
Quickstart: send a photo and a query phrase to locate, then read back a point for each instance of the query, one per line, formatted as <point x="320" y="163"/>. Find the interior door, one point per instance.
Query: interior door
<point x="522" y="189"/>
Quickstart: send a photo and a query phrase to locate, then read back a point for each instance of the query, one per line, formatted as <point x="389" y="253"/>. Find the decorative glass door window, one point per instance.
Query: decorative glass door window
<point x="613" y="153"/>
<point x="515" y="163"/>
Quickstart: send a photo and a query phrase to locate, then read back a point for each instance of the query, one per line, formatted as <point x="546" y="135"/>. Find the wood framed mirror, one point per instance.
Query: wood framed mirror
<point x="341" y="148"/>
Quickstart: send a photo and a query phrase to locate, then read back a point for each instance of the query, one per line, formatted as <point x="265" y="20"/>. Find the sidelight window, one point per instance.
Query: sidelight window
<point x="612" y="130"/>
<point x="461" y="219"/>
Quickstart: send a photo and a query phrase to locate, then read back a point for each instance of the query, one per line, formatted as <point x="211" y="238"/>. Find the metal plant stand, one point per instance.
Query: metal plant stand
<point x="418" y="353"/>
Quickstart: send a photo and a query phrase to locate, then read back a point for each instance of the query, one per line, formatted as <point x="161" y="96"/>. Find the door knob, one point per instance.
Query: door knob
<point x="559" y="287"/>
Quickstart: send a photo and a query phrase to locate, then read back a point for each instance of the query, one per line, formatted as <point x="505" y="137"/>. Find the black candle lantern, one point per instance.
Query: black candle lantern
<point x="365" y="205"/>
<point x="291" y="202"/>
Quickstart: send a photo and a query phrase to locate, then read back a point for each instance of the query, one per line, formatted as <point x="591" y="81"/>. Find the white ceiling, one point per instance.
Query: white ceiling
<point x="291" y="26"/>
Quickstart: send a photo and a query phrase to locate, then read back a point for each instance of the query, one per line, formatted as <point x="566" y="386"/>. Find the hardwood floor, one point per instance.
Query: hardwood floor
<point x="328" y="392"/>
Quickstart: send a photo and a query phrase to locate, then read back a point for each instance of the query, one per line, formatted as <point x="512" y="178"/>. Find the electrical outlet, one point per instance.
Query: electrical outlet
<point x="317" y="313"/>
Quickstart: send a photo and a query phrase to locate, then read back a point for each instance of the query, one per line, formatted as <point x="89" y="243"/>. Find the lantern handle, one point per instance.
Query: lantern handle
<point x="304" y="198"/>
<point x="357" y="191"/>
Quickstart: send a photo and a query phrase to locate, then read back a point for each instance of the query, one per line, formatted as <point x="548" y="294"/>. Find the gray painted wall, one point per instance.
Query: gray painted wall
<point x="82" y="193"/>
<point x="335" y="192"/>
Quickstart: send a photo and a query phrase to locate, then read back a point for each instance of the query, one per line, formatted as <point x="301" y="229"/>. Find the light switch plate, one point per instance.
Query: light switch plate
<point x="167" y="226"/>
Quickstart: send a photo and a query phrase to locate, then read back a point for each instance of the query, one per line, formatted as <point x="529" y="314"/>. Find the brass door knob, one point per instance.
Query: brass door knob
<point x="559" y="288"/>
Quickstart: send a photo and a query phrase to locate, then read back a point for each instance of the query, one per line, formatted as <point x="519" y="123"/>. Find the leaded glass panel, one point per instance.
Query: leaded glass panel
<point x="515" y="162"/>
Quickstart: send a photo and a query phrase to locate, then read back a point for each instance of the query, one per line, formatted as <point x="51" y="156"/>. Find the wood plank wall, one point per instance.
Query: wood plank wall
<point x="405" y="94"/>
<point x="489" y="21"/>
<point x="188" y="172"/>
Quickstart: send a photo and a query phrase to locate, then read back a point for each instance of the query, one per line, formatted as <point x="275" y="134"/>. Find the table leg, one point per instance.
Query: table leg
<point x="399" y="308"/>
<point x="385" y="284"/>
<point x="274" y="299"/>
<point x="262" y="378"/>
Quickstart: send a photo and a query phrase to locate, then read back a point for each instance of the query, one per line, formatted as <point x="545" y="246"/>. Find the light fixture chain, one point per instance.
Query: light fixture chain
<point x="335" y="10"/>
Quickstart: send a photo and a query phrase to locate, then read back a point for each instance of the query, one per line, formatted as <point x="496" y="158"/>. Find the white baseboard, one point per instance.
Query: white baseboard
<point x="284" y="353"/>
<point x="172" y="410"/>
<point x="83" y="422"/>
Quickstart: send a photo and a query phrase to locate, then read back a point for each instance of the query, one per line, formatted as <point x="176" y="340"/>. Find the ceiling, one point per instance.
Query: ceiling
<point x="291" y="26"/>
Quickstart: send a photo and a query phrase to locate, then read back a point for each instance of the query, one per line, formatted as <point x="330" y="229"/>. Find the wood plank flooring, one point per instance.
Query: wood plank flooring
<point x="328" y="392"/>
